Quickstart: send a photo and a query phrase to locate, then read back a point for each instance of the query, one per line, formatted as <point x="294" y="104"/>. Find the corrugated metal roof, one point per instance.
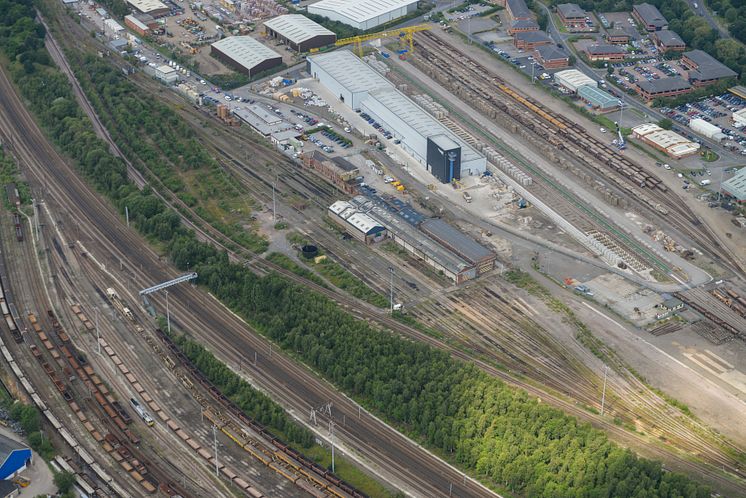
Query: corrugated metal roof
<point x="245" y="50"/>
<point x="573" y="78"/>
<point x="458" y="241"/>
<point x="736" y="186"/>
<point x="297" y="28"/>
<point x="365" y="223"/>
<point x="422" y="122"/>
<point x="359" y="10"/>
<point x="147" y="5"/>
<point x="598" y="97"/>
<point x="350" y="72"/>
<point x="673" y="143"/>
<point x="339" y="206"/>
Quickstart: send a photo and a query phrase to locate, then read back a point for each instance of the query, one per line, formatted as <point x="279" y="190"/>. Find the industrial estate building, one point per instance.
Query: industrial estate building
<point x="572" y="79"/>
<point x="15" y="457"/>
<point x="359" y="86"/>
<point x="673" y="144"/>
<point x="598" y="99"/>
<point x="704" y="68"/>
<point x="363" y="14"/>
<point x="358" y="224"/>
<point x="736" y="186"/>
<point x="649" y="17"/>
<point x="299" y="32"/>
<point x="112" y="28"/>
<point x="709" y="130"/>
<point x="372" y="218"/>
<point x="154" y="8"/>
<point x="587" y="89"/>
<point x="668" y="41"/>
<point x="245" y="54"/>
<point x="167" y="74"/>
<point x="739" y="118"/>
<point x="138" y="24"/>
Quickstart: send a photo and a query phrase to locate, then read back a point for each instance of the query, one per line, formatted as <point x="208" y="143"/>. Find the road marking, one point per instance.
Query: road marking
<point x="605" y="316"/>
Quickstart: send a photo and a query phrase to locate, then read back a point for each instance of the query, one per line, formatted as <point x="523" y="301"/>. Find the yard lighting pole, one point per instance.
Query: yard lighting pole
<point x="391" y="289"/>
<point x="98" y="333"/>
<point x="603" y="393"/>
<point x="168" y="315"/>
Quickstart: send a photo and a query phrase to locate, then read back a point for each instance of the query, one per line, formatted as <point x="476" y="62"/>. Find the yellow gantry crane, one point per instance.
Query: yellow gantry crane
<point x="402" y="33"/>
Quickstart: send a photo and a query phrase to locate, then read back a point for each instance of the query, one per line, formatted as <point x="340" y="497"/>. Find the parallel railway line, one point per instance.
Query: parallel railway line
<point x="602" y="160"/>
<point x="123" y="241"/>
<point x="104" y="229"/>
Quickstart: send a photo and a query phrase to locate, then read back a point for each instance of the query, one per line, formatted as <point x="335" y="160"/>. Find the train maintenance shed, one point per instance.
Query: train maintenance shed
<point x="245" y="54"/>
<point x="299" y="32"/>
<point x="363" y="14"/>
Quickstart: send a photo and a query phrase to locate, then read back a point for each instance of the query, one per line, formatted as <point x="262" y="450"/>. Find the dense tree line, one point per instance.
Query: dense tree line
<point x="252" y="402"/>
<point x="495" y="431"/>
<point x="692" y="28"/>
<point x="150" y="133"/>
<point x="734" y="14"/>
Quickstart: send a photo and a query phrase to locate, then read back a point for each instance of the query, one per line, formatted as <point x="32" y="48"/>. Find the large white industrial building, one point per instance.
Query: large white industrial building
<point x="572" y="79"/>
<point x="363" y="14"/>
<point x="359" y="86"/>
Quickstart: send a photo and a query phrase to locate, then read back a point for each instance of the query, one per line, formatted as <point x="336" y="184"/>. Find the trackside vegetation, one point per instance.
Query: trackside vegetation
<point x="251" y="401"/>
<point x="500" y="434"/>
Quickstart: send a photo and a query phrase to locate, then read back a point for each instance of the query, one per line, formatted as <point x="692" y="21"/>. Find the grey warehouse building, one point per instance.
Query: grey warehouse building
<point x="359" y="86"/>
<point x="299" y="32"/>
<point x="245" y="54"/>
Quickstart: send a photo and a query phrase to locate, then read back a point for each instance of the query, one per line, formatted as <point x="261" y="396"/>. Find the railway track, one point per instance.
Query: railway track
<point x="228" y="348"/>
<point x="103" y="230"/>
<point x="646" y="188"/>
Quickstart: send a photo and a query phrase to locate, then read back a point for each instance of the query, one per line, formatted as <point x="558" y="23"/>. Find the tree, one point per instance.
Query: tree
<point x="64" y="481"/>
<point x="665" y="123"/>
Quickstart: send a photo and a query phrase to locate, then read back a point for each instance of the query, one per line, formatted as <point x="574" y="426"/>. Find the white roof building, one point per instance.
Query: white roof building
<point x="363" y="14"/>
<point x="572" y="79"/>
<point x="706" y="129"/>
<point x="299" y="32"/>
<point x="667" y="141"/>
<point x="153" y="7"/>
<point x="739" y="118"/>
<point x="359" y="86"/>
<point x="246" y="54"/>
<point x="167" y="74"/>
<point x="112" y="27"/>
